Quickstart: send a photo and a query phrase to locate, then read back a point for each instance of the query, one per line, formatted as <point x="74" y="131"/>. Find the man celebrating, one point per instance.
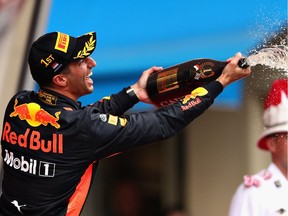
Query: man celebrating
<point x="51" y="145"/>
<point x="266" y="193"/>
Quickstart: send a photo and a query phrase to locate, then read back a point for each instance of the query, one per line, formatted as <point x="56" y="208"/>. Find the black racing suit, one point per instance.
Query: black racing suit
<point x="51" y="145"/>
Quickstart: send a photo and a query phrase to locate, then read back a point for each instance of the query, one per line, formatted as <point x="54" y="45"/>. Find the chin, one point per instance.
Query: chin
<point x="90" y="90"/>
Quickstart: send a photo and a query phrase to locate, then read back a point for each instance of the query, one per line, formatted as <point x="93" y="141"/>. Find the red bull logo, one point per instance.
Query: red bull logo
<point x="32" y="139"/>
<point x="196" y="92"/>
<point x="192" y="99"/>
<point x="34" y="115"/>
<point x="187" y="98"/>
<point x="191" y="104"/>
<point x="22" y="111"/>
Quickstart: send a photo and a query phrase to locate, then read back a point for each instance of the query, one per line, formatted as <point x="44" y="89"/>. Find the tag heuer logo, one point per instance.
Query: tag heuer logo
<point x="103" y="117"/>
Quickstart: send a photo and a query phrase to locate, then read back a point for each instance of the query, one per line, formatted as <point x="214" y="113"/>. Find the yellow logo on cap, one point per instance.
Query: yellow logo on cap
<point x="89" y="46"/>
<point x="62" y="42"/>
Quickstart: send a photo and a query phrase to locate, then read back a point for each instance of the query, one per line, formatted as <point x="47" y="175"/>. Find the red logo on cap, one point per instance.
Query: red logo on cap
<point x="62" y="42"/>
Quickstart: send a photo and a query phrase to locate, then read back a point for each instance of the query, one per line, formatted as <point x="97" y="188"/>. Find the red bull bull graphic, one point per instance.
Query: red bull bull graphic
<point x="196" y="92"/>
<point x="192" y="99"/>
<point x="21" y="111"/>
<point x="34" y="115"/>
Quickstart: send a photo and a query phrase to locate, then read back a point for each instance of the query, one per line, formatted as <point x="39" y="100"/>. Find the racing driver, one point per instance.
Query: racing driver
<point x="51" y="144"/>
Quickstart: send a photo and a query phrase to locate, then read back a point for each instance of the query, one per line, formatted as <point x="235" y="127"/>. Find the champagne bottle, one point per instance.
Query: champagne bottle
<point x="173" y="83"/>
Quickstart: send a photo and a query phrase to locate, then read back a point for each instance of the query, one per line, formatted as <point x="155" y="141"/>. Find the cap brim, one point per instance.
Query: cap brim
<point x="85" y="45"/>
<point x="270" y="131"/>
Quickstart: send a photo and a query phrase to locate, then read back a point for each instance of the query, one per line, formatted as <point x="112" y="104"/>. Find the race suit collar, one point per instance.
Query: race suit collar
<point x="55" y="99"/>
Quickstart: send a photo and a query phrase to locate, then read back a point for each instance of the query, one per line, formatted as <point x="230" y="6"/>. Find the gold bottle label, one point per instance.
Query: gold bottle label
<point x="167" y="80"/>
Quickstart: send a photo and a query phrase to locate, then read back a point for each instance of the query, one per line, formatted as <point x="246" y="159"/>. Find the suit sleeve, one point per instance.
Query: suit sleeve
<point x="116" y="104"/>
<point x="111" y="134"/>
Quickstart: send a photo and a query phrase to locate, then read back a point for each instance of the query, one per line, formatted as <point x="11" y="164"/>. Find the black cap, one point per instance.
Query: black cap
<point x="53" y="51"/>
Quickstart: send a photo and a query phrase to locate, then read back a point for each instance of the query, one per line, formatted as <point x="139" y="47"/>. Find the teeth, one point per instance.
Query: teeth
<point x="90" y="74"/>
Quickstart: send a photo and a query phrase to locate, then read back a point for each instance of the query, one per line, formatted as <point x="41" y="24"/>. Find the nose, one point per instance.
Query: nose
<point x="91" y="62"/>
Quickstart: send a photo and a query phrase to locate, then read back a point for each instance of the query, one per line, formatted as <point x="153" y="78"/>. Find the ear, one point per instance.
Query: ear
<point x="60" y="80"/>
<point x="271" y="145"/>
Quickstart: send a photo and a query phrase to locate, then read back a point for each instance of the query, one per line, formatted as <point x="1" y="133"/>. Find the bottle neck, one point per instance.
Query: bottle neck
<point x="243" y="63"/>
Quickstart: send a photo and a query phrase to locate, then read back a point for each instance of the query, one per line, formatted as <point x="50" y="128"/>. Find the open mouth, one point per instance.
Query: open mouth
<point x="88" y="78"/>
<point x="90" y="74"/>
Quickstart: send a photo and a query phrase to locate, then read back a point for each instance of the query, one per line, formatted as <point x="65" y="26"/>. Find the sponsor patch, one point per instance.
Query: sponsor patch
<point x="34" y="115"/>
<point x="196" y="92"/>
<point x="29" y="165"/>
<point x="191" y="104"/>
<point x="103" y="117"/>
<point x="113" y="120"/>
<point x="31" y="139"/>
<point x="47" y="98"/>
<point x="105" y="98"/>
<point x="62" y="42"/>
<point x="123" y="121"/>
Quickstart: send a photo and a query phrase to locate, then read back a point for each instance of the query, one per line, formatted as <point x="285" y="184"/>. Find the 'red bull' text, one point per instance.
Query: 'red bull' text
<point x="191" y="104"/>
<point x="31" y="139"/>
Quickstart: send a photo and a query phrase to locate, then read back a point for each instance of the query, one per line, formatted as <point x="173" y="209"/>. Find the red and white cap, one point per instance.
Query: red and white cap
<point x="276" y="111"/>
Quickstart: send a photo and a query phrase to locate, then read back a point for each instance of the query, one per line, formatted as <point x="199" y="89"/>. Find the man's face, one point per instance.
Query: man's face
<point x="278" y="148"/>
<point x="79" y="78"/>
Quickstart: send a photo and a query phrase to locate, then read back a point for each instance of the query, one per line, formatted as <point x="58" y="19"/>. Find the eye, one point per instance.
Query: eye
<point x="80" y="61"/>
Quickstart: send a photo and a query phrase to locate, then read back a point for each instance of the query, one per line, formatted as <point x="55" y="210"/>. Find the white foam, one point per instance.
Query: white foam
<point x="274" y="57"/>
